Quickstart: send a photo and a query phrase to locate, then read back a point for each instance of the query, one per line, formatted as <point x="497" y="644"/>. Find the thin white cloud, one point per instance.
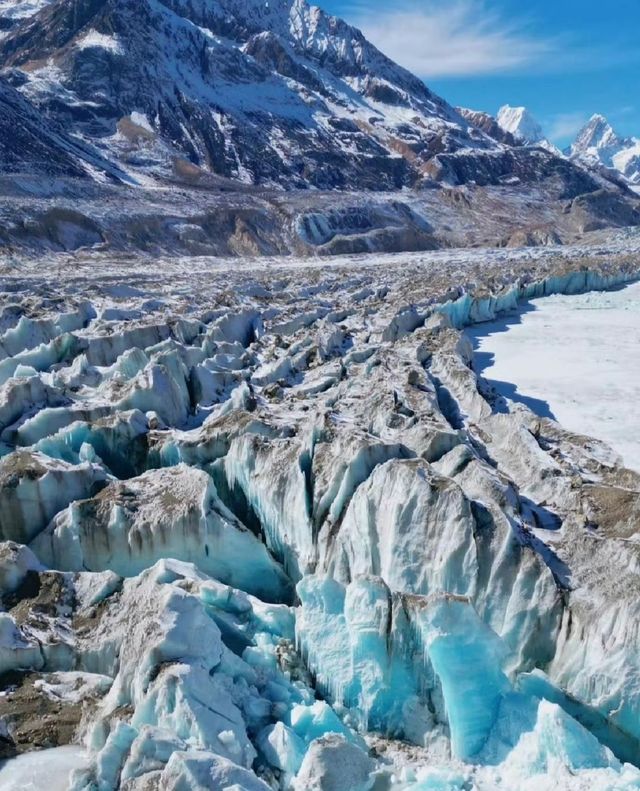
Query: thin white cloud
<point x="451" y="39"/>
<point x="564" y="126"/>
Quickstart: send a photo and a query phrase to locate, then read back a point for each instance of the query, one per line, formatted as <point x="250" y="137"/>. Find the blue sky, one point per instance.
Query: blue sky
<point x="563" y="59"/>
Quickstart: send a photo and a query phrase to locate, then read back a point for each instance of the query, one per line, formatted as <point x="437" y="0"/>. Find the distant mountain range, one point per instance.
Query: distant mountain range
<point x="596" y="145"/>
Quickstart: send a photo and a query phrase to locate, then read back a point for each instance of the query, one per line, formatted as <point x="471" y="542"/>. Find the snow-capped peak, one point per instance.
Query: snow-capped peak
<point x="524" y="127"/>
<point x="598" y="144"/>
<point x="598" y="134"/>
<point x="520" y="123"/>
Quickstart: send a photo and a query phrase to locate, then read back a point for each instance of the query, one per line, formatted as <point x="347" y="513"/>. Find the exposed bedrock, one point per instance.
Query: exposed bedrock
<point x="246" y="530"/>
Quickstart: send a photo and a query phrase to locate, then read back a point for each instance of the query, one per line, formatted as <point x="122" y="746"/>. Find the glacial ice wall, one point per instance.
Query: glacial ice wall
<point x="282" y="536"/>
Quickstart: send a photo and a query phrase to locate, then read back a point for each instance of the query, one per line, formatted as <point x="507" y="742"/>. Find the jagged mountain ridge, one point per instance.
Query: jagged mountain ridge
<point x="597" y="143"/>
<point x="277" y="94"/>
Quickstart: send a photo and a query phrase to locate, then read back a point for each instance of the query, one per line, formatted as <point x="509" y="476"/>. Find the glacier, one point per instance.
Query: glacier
<point x="273" y="529"/>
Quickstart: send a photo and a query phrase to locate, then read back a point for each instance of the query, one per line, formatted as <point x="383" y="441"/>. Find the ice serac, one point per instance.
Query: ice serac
<point x="272" y="479"/>
<point x="164" y="649"/>
<point x="175" y="473"/>
<point x="173" y="513"/>
<point x="332" y="763"/>
<point x="425" y="533"/>
<point x="404" y="665"/>
<point x="412" y="667"/>
<point x="356" y="640"/>
<point x="467" y="658"/>
<point x="411" y="527"/>
<point x="35" y="487"/>
<point x="213" y="687"/>
<point x="203" y="771"/>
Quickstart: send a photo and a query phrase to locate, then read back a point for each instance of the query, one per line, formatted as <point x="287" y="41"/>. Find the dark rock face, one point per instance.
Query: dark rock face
<point x="604" y="209"/>
<point x="268" y="50"/>
<point x="28" y="143"/>
<point x="487" y="124"/>
<point x="517" y="164"/>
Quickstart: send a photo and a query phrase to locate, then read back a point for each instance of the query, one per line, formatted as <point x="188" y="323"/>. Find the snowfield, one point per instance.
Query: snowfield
<point x="574" y="356"/>
<point x="263" y="526"/>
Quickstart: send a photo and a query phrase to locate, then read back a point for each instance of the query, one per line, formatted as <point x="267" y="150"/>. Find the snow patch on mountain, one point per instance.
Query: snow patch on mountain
<point x="19" y="9"/>
<point x="95" y="39"/>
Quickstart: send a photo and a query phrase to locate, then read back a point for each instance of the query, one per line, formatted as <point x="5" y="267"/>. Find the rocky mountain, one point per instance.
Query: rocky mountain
<point x="489" y="125"/>
<point x="597" y="144"/>
<point x="177" y="101"/>
<point x="31" y="142"/>
<point x="277" y="94"/>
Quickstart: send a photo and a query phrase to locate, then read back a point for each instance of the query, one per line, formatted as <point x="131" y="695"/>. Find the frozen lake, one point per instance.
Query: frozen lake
<point x="47" y="770"/>
<point x="573" y="358"/>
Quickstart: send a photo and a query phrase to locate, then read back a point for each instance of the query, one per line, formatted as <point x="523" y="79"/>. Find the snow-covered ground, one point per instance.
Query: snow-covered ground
<point x="48" y="769"/>
<point x="573" y="358"/>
